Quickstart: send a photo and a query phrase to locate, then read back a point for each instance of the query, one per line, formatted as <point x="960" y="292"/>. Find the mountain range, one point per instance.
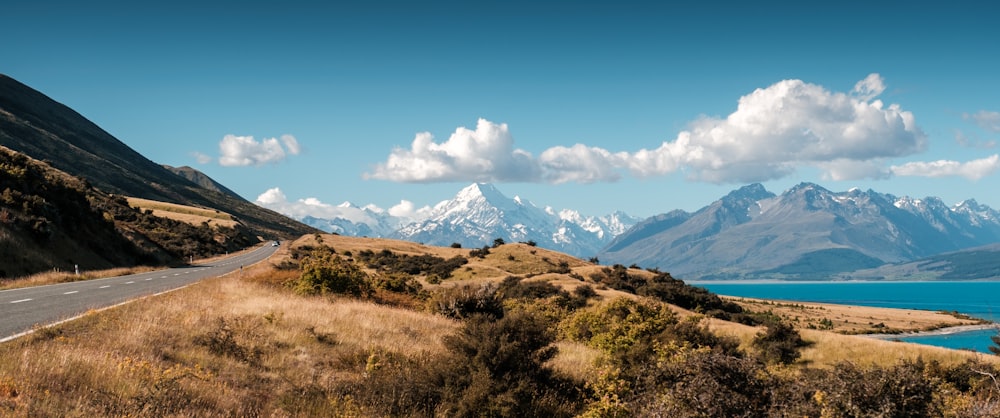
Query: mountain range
<point x="479" y="214"/>
<point x="805" y="233"/>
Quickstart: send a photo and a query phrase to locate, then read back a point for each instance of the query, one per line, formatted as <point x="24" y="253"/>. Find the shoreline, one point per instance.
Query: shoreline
<point x="957" y="329"/>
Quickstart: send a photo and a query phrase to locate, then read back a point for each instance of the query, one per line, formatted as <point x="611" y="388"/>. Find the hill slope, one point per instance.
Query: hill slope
<point x="50" y="220"/>
<point x="807" y="232"/>
<point x="44" y="129"/>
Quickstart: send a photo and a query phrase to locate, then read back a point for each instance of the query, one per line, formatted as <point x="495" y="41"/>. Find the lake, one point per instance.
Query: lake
<point x="980" y="299"/>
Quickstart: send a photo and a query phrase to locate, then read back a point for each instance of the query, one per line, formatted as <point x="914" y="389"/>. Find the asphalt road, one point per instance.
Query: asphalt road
<point x="23" y="309"/>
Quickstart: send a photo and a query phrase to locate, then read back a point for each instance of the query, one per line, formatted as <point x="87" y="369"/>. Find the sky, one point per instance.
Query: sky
<point x="590" y="106"/>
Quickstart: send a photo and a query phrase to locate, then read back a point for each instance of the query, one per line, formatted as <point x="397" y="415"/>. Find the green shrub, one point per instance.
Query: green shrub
<point x="497" y="369"/>
<point x="465" y="301"/>
<point x="323" y="272"/>
<point x="779" y="343"/>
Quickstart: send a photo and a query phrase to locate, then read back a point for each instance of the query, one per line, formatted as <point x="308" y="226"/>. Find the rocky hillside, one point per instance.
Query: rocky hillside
<point x="50" y="220"/>
<point x="44" y="129"/>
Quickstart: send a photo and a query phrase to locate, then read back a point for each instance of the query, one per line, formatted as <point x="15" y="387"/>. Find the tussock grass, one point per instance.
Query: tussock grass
<point x="189" y="214"/>
<point x="52" y="277"/>
<point x="828" y="348"/>
<point x="576" y="361"/>
<point x="241" y="345"/>
<point x="223" y="347"/>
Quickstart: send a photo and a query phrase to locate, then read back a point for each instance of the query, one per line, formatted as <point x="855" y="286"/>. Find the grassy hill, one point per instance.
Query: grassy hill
<point x="50" y="220"/>
<point x="44" y="129"/>
<point x="341" y="326"/>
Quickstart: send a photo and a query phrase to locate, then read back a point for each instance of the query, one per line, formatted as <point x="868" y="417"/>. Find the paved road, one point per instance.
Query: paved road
<point x="22" y="309"/>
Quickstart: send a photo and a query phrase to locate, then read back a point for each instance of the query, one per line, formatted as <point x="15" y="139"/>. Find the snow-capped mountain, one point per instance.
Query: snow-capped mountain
<point x="350" y="219"/>
<point x="806" y="232"/>
<point x="479" y="213"/>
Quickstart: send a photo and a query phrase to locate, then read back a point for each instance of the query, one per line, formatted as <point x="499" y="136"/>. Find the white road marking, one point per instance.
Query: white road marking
<point x="149" y="279"/>
<point x="129" y="282"/>
<point x="71" y="292"/>
<point x="163" y="277"/>
<point x="105" y="286"/>
<point x="19" y="301"/>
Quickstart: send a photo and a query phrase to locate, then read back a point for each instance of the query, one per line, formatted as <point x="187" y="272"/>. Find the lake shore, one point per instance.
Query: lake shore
<point x="877" y="322"/>
<point x="936" y="332"/>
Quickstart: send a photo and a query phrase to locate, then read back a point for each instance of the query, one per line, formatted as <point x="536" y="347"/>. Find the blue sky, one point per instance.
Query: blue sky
<point x="590" y="106"/>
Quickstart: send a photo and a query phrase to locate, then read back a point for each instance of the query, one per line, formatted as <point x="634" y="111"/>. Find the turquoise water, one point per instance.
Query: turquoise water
<point x="980" y="299"/>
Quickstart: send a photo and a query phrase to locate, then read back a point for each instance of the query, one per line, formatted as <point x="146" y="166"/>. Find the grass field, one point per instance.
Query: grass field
<point x="189" y="214"/>
<point x="243" y="346"/>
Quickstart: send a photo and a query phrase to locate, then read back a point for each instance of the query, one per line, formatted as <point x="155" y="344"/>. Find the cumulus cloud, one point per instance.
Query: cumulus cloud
<point x="972" y="170"/>
<point x="486" y="154"/>
<point x="201" y="158"/>
<point x="869" y="88"/>
<point x="407" y="210"/>
<point x="989" y="121"/>
<point x="276" y="200"/>
<point x="773" y="131"/>
<point x="237" y="151"/>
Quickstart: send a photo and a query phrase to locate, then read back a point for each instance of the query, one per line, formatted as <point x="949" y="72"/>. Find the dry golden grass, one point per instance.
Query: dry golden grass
<point x="222" y="347"/>
<point x="53" y="277"/>
<point x="829" y="348"/>
<point x="515" y="259"/>
<point x="189" y="214"/>
<point x="576" y="361"/>
<point x="240" y="346"/>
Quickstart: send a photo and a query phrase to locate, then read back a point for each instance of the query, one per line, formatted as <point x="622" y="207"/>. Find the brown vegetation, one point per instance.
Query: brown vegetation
<point x="50" y="221"/>
<point x="292" y="337"/>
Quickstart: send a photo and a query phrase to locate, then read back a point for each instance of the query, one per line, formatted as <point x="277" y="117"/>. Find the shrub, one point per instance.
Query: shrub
<point x="497" y="368"/>
<point x="779" y="343"/>
<point x="326" y="273"/>
<point x="462" y="302"/>
<point x="480" y="253"/>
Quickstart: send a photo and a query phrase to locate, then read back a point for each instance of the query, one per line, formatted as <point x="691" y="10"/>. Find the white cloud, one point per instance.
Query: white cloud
<point x="773" y="131"/>
<point x="869" y="88"/>
<point x="786" y="125"/>
<point x="973" y="141"/>
<point x="291" y="144"/>
<point x="406" y="209"/>
<point x="201" y="158"/>
<point x="486" y="154"/>
<point x="987" y="120"/>
<point x="581" y="164"/>
<point x="842" y="169"/>
<point x="972" y="170"/>
<point x="276" y="200"/>
<point x="244" y="150"/>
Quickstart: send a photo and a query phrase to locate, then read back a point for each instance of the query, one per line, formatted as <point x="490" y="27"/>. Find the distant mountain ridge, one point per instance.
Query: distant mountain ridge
<point x="201" y="179"/>
<point x="36" y="125"/>
<point x="808" y="232"/>
<point x="479" y="214"/>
